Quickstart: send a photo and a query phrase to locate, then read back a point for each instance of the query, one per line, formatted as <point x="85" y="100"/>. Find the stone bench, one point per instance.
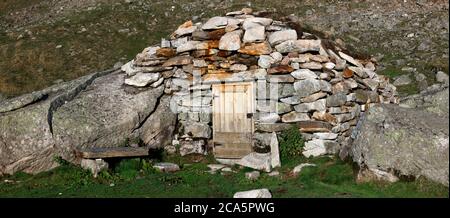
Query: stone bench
<point x="101" y="153"/>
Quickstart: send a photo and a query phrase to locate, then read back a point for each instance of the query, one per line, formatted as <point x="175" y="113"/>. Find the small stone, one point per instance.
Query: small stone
<point x="215" y="167"/>
<point x="307" y="87"/>
<point x="218" y="23"/>
<point x="329" y="65"/>
<point x="280" y="69"/>
<point x="402" y="80"/>
<point x="313" y="97"/>
<point x="314" y="148"/>
<point x="441" y="77"/>
<point x="347" y="73"/>
<point x="188" y="46"/>
<point x="350" y="59"/>
<point x="319" y="58"/>
<point x="294" y="117"/>
<point x="238" y="67"/>
<point x="192" y="147"/>
<point x="254" y="34"/>
<point x="185" y="28"/>
<point x="254" y="175"/>
<point x="257" y="161"/>
<point x="200" y="63"/>
<point x="142" y="79"/>
<point x="325" y="135"/>
<point x="324" y="116"/>
<point x="268" y="117"/>
<point x="371" y="83"/>
<point x="359" y="71"/>
<point x="170" y="149"/>
<point x="265" y="61"/>
<point x="336" y="100"/>
<point x="301" y="46"/>
<point x="420" y="77"/>
<point x="299" y="168"/>
<point x="253" y="22"/>
<point x="311" y="65"/>
<point x="256" y="193"/>
<point x="319" y="105"/>
<point x="178" y="60"/>
<point x="304" y="74"/>
<point x="227" y="169"/>
<point x="274" y="151"/>
<point x="361" y="96"/>
<point x="166" y="52"/>
<point x="280" y="78"/>
<point x="95" y="166"/>
<point x="282" y="36"/>
<point x="231" y="41"/>
<point x="277" y="56"/>
<point x="256" y="49"/>
<point x="291" y="100"/>
<point x="198" y="130"/>
<point x="274" y="174"/>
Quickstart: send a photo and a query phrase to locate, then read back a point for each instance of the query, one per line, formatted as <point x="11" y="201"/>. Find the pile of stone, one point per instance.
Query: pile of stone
<point x="300" y="80"/>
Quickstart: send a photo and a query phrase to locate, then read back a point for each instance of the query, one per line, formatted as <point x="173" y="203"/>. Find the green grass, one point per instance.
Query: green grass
<point x="331" y="178"/>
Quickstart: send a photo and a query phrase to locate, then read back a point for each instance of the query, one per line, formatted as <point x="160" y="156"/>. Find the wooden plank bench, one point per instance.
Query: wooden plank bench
<point x="94" y="153"/>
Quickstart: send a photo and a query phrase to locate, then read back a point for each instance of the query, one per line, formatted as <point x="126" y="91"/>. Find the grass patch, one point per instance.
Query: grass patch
<point x="331" y="178"/>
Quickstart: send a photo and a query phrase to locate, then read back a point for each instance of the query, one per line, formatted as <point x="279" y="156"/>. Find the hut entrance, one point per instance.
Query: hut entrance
<point x="233" y="108"/>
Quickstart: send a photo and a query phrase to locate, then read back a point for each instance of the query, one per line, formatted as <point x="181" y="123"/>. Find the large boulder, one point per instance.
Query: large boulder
<point x="93" y="111"/>
<point x="405" y="141"/>
<point x="26" y="139"/>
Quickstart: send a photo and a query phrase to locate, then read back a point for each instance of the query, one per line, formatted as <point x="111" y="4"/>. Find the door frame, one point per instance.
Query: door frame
<point x="252" y="96"/>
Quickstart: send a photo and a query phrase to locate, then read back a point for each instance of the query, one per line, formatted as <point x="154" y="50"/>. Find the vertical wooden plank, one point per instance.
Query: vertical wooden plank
<point x="240" y="113"/>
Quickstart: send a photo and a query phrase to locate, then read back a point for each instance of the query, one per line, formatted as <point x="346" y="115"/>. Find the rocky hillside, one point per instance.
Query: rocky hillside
<point x="47" y="42"/>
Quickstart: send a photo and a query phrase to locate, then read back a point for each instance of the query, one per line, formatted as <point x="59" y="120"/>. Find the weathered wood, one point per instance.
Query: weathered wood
<point x="233" y="137"/>
<point x="314" y="126"/>
<point x="232" y="129"/>
<point x="93" y="153"/>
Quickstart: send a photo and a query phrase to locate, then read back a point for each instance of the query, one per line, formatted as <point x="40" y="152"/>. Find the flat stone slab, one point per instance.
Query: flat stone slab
<point x="166" y="167"/>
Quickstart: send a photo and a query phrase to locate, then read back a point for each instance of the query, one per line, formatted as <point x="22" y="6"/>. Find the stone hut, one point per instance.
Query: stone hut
<point x="237" y="79"/>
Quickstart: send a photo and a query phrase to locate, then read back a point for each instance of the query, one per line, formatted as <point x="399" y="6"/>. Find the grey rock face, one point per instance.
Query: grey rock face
<point x="27" y="139"/>
<point x="413" y="142"/>
<point x="104" y="115"/>
<point x="93" y="111"/>
<point x="157" y="131"/>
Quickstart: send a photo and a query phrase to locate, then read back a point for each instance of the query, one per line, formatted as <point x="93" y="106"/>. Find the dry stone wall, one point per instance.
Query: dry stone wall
<point x="299" y="80"/>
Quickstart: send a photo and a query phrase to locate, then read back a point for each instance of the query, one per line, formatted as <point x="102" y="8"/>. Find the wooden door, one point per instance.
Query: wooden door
<point x="233" y="108"/>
